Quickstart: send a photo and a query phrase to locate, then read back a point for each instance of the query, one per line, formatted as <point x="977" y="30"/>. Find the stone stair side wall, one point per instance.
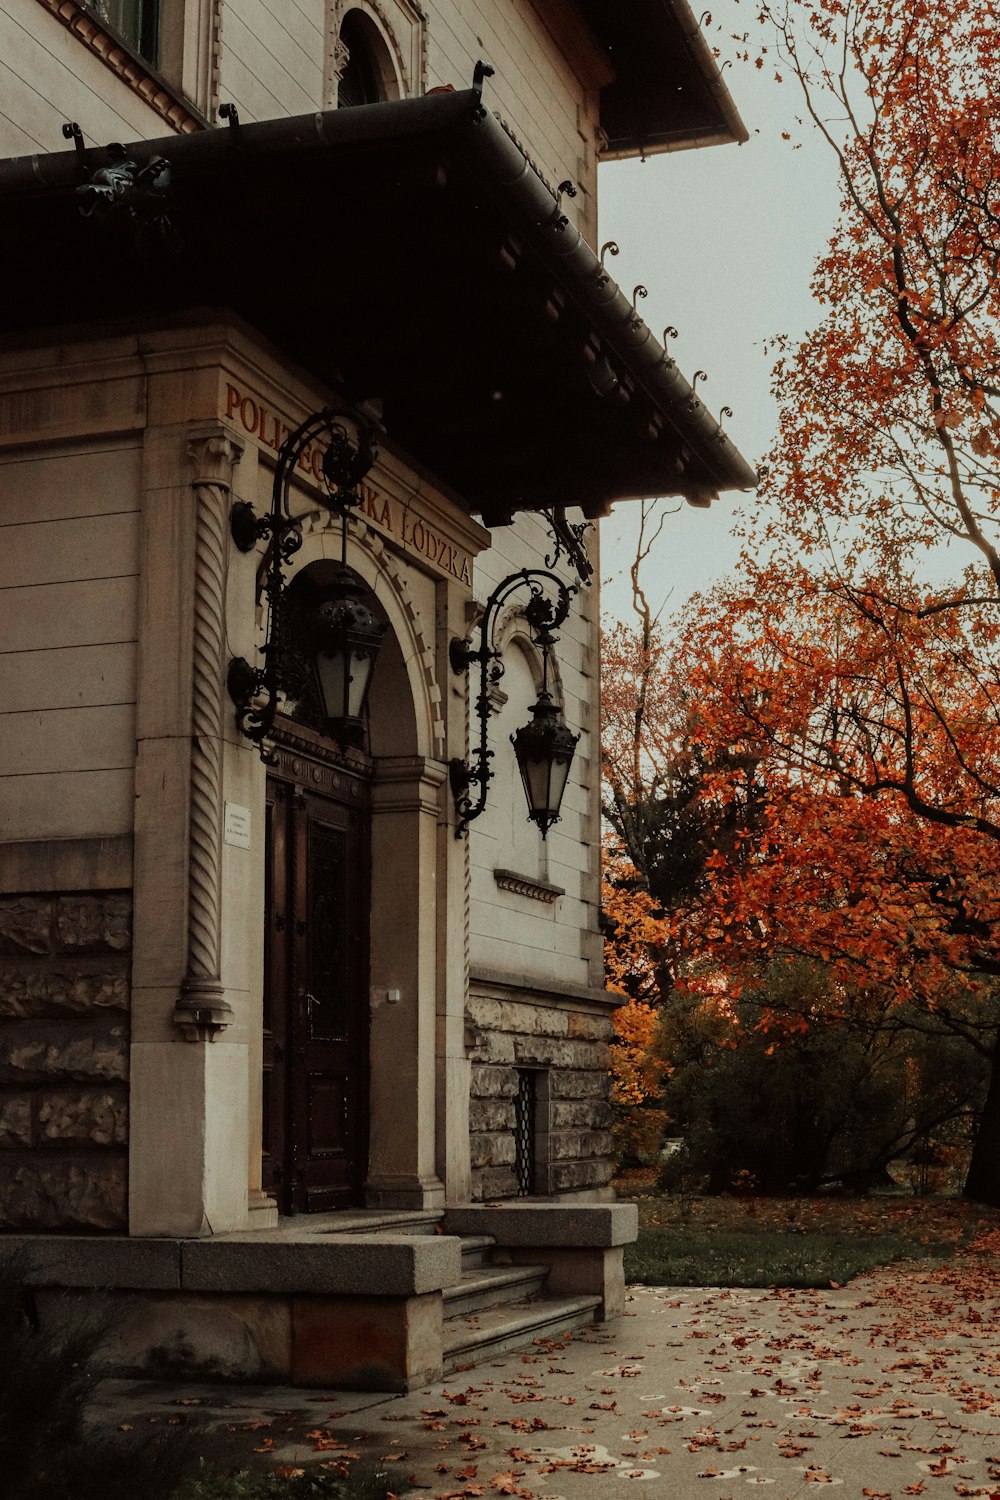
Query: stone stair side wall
<point x="568" y="1048"/>
<point x="64" y="1035"/>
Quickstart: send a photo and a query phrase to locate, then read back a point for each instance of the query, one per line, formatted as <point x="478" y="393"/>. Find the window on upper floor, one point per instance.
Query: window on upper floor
<point x="137" y="22"/>
<point x="177" y="41"/>
<point x="368" y="74"/>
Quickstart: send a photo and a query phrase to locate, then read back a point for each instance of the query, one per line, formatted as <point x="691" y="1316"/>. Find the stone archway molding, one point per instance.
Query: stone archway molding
<point x="380" y="569"/>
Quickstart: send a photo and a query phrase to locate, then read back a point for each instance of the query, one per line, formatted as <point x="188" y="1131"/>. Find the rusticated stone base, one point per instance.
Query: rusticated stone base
<point x="567" y="1052"/>
<point x="64" y="1033"/>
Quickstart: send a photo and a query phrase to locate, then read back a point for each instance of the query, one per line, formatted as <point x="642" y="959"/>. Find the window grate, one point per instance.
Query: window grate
<point x="524" y="1132"/>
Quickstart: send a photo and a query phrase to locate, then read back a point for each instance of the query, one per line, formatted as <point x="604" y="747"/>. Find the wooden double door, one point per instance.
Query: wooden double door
<point x="316" y="1009"/>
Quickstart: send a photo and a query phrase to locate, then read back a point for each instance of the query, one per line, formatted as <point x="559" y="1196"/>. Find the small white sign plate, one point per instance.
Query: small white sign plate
<point x="237" y="826"/>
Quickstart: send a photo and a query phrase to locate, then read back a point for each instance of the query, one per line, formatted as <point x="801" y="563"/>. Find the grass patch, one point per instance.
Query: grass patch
<point x="762" y="1258"/>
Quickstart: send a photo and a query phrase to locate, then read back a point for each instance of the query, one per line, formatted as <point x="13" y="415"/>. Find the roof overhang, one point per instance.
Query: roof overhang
<point x="403" y="252"/>
<point x="667" y="92"/>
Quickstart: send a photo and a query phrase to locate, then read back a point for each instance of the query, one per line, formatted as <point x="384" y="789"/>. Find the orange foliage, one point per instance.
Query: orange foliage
<point x="852" y="666"/>
<point x="636" y="1075"/>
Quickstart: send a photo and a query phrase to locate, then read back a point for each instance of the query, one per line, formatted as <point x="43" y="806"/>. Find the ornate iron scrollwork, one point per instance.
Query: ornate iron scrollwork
<point x="346" y="461"/>
<point x="544" y="615"/>
<point x="568" y="537"/>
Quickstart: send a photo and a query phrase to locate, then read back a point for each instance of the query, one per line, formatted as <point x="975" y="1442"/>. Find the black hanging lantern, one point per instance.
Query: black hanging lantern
<point x="544" y="748"/>
<point x="544" y="752"/>
<point x="346" y="636"/>
<point x="343" y="633"/>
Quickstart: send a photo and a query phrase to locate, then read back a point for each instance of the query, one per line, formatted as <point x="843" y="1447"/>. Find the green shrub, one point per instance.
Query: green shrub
<point x="47" y="1451"/>
<point x="799" y="1084"/>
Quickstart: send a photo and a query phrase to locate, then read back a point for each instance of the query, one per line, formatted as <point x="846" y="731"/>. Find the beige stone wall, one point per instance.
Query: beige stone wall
<point x="271" y="57"/>
<point x="530" y="938"/>
<point x="64" y="1028"/>
<point x="534" y="90"/>
<point x="280" y="61"/>
<point x="69" y="535"/>
<point x="48" y="75"/>
<point x="567" y="1048"/>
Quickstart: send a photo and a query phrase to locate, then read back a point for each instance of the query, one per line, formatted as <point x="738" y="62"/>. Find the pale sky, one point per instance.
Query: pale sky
<point x="724" y="238"/>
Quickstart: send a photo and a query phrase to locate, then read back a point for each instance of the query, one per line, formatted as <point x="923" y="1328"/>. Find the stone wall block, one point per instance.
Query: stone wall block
<point x="97" y="923"/>
<point x="579" y="1085"/>
<point x="25" y="924"/>
<point x="56" y="1192"/>
<point x="491" y="1047"/>
<point x="491" y="1114"/>
<point x="27" y="991"/>
<point x="580" y="1114"/>
<point x="569" y="1145"/>
<point x="484" y="1013"/>
<point x="573" y="1176"/>
<point x="15" y="1120"/>
<point x="553" y="1052"/>
<point x="48" y="1050"/>
<point x="492" y="1150"/>
<point x="493" y="1083"/>
<point x="493" y="1182"/>
<point x="85" y="1116"/>
<point x="534" y="1020"/>
<point x="594" y="1028"/>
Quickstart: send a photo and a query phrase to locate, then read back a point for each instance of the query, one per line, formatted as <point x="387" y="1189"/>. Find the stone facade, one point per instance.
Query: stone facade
<point x="566" y="1052"/>
<point x="64" y="1035"/>
<point x="130" y="797"/>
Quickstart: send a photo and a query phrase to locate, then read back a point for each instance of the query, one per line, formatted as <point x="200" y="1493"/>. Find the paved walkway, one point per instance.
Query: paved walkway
<point x="887" y="1388"/>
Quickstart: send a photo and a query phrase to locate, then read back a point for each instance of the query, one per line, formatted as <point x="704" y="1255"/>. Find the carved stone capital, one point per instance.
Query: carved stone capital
<point x="340" y="56"/>
<point x="213" y="453"/>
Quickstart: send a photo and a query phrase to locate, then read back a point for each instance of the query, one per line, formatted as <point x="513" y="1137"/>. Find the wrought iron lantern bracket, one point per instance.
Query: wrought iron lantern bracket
<point x="544" y="614"/>
<point x="346" y="460"/>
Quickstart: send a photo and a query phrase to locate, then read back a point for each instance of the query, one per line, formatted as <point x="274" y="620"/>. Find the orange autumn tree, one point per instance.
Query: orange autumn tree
<point x="858" y="661"/>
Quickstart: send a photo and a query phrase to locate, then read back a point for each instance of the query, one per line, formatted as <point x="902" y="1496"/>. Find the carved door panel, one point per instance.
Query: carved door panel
<point x="316" y="998"/>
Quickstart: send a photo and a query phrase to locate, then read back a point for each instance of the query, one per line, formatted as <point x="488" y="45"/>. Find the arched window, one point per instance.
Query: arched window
<point x="368" y="76"/>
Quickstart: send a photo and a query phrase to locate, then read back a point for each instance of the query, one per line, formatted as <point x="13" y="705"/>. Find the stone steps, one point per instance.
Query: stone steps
<point x="472" y="1338"/>
<point x="486" y="1287"/>
<point x="476" y="1251"/>
<point x="385" y="1221"/>
<point x="494" y="1308"/>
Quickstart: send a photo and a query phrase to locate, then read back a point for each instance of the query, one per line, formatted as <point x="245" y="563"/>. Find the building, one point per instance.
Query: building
<point x="249" y="1004"/>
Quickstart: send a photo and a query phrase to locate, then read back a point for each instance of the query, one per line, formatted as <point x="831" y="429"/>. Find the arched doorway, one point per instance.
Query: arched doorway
<point x="316" y="947"/>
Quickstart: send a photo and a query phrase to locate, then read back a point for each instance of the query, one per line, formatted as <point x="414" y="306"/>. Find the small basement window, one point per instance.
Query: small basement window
<point x="524" y="1132"/>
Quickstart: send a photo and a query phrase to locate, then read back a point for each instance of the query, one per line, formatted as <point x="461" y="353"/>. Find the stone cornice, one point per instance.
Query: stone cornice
<point x="490" y="981"/>
<point x="78" y="18"/>
<point x="525" y="885"/>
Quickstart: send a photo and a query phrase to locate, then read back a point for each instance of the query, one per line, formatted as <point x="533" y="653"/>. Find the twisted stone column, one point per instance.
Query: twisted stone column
<point x="201" y="1010"/>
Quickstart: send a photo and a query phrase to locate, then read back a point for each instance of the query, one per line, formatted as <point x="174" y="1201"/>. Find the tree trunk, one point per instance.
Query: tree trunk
<point x="982" y="1184"/>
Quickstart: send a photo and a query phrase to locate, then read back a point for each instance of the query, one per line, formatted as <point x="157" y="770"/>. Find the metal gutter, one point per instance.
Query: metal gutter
<point x="626" y="333"/>
<point x="710" y="71"/>
<point x="460" y="124"/>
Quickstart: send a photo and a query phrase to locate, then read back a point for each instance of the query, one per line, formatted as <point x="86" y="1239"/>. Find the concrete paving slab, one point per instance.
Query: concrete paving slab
<point x="884" y="1389"/>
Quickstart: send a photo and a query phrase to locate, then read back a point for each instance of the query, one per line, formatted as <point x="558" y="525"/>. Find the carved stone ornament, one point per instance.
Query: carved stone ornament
<point x="525" y="885"/>
<point x="202" y="1011"/>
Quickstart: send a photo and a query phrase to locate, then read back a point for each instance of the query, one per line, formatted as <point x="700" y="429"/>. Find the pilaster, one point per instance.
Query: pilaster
<point x="406" y="810"/>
